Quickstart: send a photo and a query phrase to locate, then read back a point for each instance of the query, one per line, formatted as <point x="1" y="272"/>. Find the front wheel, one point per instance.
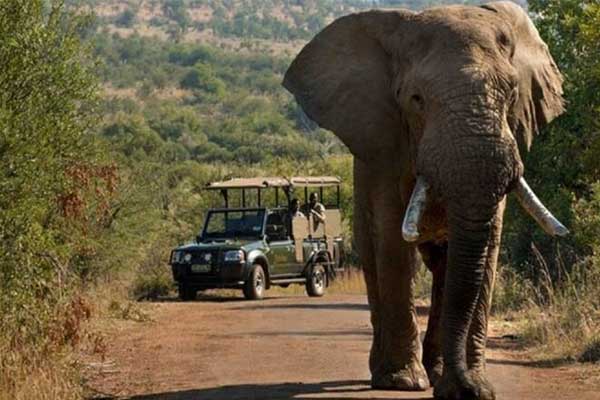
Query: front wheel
<point x="254" y="288"/>
<point x="186" y="293"/>
<point x="316" y="281"/>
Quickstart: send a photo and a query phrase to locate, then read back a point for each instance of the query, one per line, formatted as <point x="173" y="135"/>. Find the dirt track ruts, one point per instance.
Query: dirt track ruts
<point x="286" y="348"/>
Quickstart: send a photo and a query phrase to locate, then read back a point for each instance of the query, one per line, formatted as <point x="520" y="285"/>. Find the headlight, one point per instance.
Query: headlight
<point x="176" y="257"/>
<point x="187" y="257"/>
<point x="234" y="256"/>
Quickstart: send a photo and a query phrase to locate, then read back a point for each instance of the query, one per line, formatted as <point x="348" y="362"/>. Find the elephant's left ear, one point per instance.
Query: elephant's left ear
<point x="540" y="82"/>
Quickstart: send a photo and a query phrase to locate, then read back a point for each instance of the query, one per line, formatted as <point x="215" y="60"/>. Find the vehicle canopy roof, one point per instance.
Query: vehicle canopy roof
<point x="275" y="182"/>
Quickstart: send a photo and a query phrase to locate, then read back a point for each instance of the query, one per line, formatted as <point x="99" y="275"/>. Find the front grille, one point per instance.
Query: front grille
<point x="201" y="259"/>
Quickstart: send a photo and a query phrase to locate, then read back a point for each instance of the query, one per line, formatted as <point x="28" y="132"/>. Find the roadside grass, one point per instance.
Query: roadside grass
<point x="351" y="281"/>
<point x="33" y="373"/>
<point x="47" y="366"/>
<point x="558" y="320"/>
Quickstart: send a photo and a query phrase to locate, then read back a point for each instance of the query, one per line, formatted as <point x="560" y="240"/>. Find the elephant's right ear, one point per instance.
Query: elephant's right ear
<point x="343" y="80"/>
<point x="540" y="82"/>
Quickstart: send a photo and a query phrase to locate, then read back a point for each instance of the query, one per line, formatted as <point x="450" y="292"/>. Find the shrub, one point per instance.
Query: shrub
<point x="153" y="278"/>
<point x="512" y="292"/>
<point x="50" y="194"/>
<point x="126" y="19"/>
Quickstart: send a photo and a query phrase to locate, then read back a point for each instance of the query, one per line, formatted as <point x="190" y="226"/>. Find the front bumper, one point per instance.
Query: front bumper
<point x="225" y="275"/>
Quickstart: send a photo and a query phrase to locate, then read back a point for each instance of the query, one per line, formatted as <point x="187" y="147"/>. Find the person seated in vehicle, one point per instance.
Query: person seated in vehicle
<point x="316" y="210"/>
<point x="276" y="227"/>
<point x="294" y="209"/>
<point x="293" y="212"/>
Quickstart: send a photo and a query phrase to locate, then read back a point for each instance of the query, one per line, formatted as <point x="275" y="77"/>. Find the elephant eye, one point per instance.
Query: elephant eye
<point x="505" y="43"/>
<point x="503" y="39"/>
<point x="417" y="102"/>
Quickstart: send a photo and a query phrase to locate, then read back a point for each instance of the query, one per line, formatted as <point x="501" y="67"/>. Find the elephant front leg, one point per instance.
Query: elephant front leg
<point x="396" y="354"/>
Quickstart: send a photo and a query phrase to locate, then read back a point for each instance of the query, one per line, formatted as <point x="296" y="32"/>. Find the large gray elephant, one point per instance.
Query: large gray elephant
<point x="435" y="107"/>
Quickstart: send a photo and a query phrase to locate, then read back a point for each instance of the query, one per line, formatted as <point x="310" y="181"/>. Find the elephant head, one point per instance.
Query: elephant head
<point x="468" y="86"/>
<point x="465" y="89"/>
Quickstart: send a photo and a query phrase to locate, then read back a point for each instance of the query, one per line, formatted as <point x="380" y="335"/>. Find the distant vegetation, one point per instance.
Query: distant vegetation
<point x="270" y="20"/>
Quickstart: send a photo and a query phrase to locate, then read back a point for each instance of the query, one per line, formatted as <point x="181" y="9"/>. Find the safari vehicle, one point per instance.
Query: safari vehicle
<point x="257" y="247"/>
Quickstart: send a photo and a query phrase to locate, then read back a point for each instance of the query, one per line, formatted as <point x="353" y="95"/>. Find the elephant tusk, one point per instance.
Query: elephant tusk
<point x="414" y="211"/>
<point x="530" y="202"/>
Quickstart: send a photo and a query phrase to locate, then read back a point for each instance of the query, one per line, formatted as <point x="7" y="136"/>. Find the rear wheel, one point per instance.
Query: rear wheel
<point x="254" y="288"/>
<point x="316" y="281"/>
<point x="186" y="293"/>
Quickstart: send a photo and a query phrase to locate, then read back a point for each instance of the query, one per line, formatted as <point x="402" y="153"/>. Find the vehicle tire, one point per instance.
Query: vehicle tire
<point x="255" y="286"/>
<point x="186" y="293"/>
<point x="316" y="281"/>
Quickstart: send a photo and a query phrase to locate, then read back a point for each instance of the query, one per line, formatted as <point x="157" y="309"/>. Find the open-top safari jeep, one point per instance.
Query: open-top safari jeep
<point x="255" y="247"/>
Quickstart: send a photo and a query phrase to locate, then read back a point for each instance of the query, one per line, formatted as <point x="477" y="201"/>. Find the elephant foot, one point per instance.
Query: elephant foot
<point x="468" y="385"/>
<point x="434" y="370"/>
<point x="412" y="378"/>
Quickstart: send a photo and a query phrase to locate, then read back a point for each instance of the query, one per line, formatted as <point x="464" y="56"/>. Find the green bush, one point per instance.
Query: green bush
<point x="126" y="19"/>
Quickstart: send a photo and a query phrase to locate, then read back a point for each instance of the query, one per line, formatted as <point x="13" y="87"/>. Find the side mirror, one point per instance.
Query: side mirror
<point x="198" y="238"/>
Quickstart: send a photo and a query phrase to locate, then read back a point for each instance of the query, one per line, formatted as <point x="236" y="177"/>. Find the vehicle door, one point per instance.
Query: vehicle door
<point x="299" y="232"/>
<point x="281" y="254"/>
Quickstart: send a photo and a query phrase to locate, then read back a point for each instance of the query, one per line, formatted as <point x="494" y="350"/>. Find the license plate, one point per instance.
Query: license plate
<point x="200" y="268"/>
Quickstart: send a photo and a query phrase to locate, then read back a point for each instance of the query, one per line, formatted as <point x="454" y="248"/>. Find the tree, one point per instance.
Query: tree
<point x="177" y="11"/>
<point x="563" y="165"/>
<point x="203" y="77"/>
<point x="47" y="92"/>
<point x="126" y="19"/>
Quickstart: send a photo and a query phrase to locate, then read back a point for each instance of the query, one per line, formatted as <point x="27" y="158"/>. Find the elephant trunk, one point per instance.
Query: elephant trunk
<point x="468" y="241"/>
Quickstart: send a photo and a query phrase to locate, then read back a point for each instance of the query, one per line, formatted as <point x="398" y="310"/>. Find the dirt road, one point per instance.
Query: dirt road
<point x="286" y="348"/>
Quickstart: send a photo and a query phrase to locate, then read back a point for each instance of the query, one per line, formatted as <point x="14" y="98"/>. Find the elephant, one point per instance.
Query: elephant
<point x="436" y="107"/>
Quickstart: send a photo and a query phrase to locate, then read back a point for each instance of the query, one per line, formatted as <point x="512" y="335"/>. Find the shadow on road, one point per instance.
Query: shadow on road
<point x="421" y="310"/>
<point x="307" y="306"/>
<point x="338" y="390"/>
<point x="207" y="298"/>
<point x="552" y="363"/>
<point x="336" y="333"/>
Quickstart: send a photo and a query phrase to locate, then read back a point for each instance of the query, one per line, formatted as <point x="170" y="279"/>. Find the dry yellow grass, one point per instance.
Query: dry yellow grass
<point x="36" y="375"/>
<point x="350" y="281"/>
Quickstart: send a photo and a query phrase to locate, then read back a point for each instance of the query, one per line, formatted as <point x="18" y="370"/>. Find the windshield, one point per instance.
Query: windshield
<point x="230" y="224"/>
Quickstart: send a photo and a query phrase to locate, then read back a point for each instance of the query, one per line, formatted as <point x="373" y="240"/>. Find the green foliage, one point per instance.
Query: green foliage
<point x="126" y="19"/>
<point x="563" y="167"/>
<point x="512" y="292"/>
<point x="43" y="105"/>
<point x="177" y="11"/>
<point x="203" y="78"/>
<point x="52" y="191"/>
<point x="153" y="278"/>
<point x="235" y="100"/>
